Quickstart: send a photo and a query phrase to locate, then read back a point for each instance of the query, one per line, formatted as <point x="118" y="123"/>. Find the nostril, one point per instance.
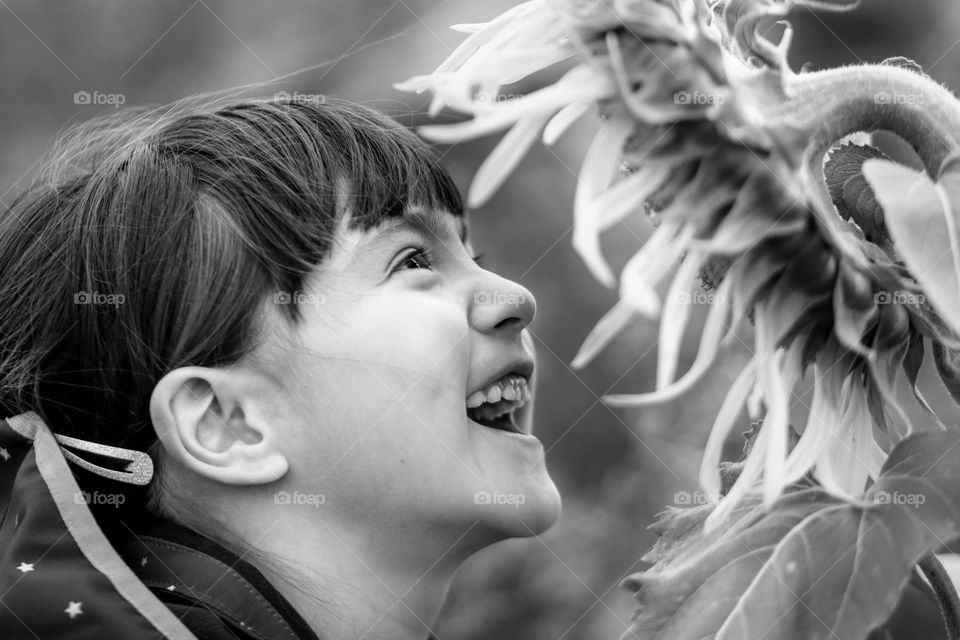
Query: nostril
<point x="511" y="322"/>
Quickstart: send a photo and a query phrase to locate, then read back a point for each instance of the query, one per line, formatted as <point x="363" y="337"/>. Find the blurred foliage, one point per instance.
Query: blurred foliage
<point x="615" y="470"/>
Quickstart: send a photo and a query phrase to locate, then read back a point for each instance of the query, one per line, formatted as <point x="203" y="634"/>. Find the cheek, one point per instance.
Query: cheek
<point x="383" y="390"/>
<point x="412" y="345"/>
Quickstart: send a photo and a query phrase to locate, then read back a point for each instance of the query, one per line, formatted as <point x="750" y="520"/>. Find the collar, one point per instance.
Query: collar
<point x="208" y="585"/>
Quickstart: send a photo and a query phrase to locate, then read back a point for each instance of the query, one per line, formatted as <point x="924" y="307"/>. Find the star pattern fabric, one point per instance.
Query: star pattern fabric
<point x="50" y="589"/>
<point x="73" y="609"/>
<point x="179" y="585"/>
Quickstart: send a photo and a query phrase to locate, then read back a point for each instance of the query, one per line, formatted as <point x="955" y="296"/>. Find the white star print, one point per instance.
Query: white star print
<point x="73" y="609"/>
<point x="171" y="587"/>
<point x="4" y="454"/>
<point x="25" y="567"/>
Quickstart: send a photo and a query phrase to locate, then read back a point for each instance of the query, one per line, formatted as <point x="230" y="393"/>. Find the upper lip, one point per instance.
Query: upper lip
<point x="522" y="366"/>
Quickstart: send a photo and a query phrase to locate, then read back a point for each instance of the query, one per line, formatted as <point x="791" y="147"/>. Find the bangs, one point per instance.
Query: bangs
<point x="305" y="168"/>
<point x="394" y="173"/>
<point x="287" y="174"/>
<point x="381" y="169"/>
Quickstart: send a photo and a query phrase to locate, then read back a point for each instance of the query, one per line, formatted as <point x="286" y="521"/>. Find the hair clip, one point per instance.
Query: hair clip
<point x="138" y="471"/>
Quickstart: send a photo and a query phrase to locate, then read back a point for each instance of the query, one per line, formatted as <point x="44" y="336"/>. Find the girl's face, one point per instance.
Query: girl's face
<point x="400" y="326"/>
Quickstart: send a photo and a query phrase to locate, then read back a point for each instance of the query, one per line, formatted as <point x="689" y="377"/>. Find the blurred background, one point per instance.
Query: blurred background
<point x="615" y="469"/>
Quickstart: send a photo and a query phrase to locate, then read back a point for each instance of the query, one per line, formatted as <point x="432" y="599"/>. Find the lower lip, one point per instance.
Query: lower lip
<point x="524" y="437"/>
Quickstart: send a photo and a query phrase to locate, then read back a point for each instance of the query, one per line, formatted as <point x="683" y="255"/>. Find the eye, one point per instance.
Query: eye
<point x="419" y="258"/>
<point x="479" y="259"/>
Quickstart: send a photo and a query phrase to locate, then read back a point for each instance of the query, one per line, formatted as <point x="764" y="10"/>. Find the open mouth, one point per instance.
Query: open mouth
<point x="500" y="416"/>
<point x="497" y="405"/>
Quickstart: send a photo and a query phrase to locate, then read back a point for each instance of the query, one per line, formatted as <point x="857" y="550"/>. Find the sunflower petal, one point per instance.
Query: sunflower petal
<point x="611" y="324"/>
<point x="628" y="195"/>
<point x="854" y="310"/>
<point x="760" y="268"/>
<point x="727" y="416"/>
<point x="466" y="130"/>
<point x="763" y="348"/>
<point x="782" y="373"/>
<point x="482" y="34"/>
<point x="503" y="160"/>
<point x="580" y="83"/>
<point x="650" y="264"/>
<point x="469" y="27"/>
<point x="815" y="439"/>
<point x="708" y="194"/>
<point x="525" y="23"/>
<point x="599" y="168"/>
<point x="649" y="112"/>
<point x="745" y="483"/>
<point x="742" y="227"/>
<point x="559" y="123"/>
<point x="891" y="343"/>
<point x="713" y="331"/>
<point x="854" y="455"/>
<point x="676" y="314"/>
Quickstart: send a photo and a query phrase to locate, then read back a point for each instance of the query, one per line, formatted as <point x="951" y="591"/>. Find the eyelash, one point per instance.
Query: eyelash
<point x="418" y="251"/>
<point x="425" y="253"/>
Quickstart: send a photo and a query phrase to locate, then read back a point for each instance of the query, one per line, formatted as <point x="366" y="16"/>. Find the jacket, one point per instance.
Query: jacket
<point x="61" y="576"/>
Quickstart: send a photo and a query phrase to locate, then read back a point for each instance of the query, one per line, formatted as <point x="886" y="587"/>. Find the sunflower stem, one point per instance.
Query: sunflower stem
<point x="834" y="103"/>
<point x="946" y="594"/>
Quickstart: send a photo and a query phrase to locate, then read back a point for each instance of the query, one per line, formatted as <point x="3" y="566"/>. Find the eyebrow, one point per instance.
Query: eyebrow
<point x="428" y="223"/>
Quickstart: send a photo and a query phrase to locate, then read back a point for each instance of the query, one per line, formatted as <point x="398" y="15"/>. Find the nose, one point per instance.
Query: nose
<point x="499" y="303"/>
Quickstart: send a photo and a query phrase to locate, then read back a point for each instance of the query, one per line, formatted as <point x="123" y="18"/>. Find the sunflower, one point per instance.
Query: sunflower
<point x="762" y="184"/>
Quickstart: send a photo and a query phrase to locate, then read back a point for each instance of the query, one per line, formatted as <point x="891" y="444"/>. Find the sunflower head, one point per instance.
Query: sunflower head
<point x="749" y="173"/>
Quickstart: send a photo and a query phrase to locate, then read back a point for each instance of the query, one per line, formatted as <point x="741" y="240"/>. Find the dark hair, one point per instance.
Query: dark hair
<point x="195" y="215"/>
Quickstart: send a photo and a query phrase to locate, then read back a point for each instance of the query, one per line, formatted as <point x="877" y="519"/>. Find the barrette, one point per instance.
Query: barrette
<point x="138" y="470"/>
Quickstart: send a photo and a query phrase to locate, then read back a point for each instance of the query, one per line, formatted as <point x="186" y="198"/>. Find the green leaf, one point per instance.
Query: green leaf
<point x="812" y="566"/>
<point x="921" y="217"/>
<point x="850" y="192"/>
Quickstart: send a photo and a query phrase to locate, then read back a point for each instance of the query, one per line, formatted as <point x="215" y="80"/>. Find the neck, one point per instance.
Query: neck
<point x="351" y="584"/>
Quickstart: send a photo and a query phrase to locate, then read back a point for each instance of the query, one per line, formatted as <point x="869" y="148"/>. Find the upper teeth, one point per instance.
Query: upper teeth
<point x="511" y="387"/>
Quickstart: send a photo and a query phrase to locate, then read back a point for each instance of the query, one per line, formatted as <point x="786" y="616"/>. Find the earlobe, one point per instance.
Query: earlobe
<point x="207" y="422"/>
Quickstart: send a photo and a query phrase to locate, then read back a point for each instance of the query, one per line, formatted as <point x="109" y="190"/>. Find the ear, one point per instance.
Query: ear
<point x="208" y="421"/>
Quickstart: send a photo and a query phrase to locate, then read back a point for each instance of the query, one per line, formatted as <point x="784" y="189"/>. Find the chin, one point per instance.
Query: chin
<point x="528" y="512"/>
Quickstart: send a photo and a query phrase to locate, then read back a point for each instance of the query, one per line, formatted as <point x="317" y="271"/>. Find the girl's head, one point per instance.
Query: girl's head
<point x="278" y="301"/>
